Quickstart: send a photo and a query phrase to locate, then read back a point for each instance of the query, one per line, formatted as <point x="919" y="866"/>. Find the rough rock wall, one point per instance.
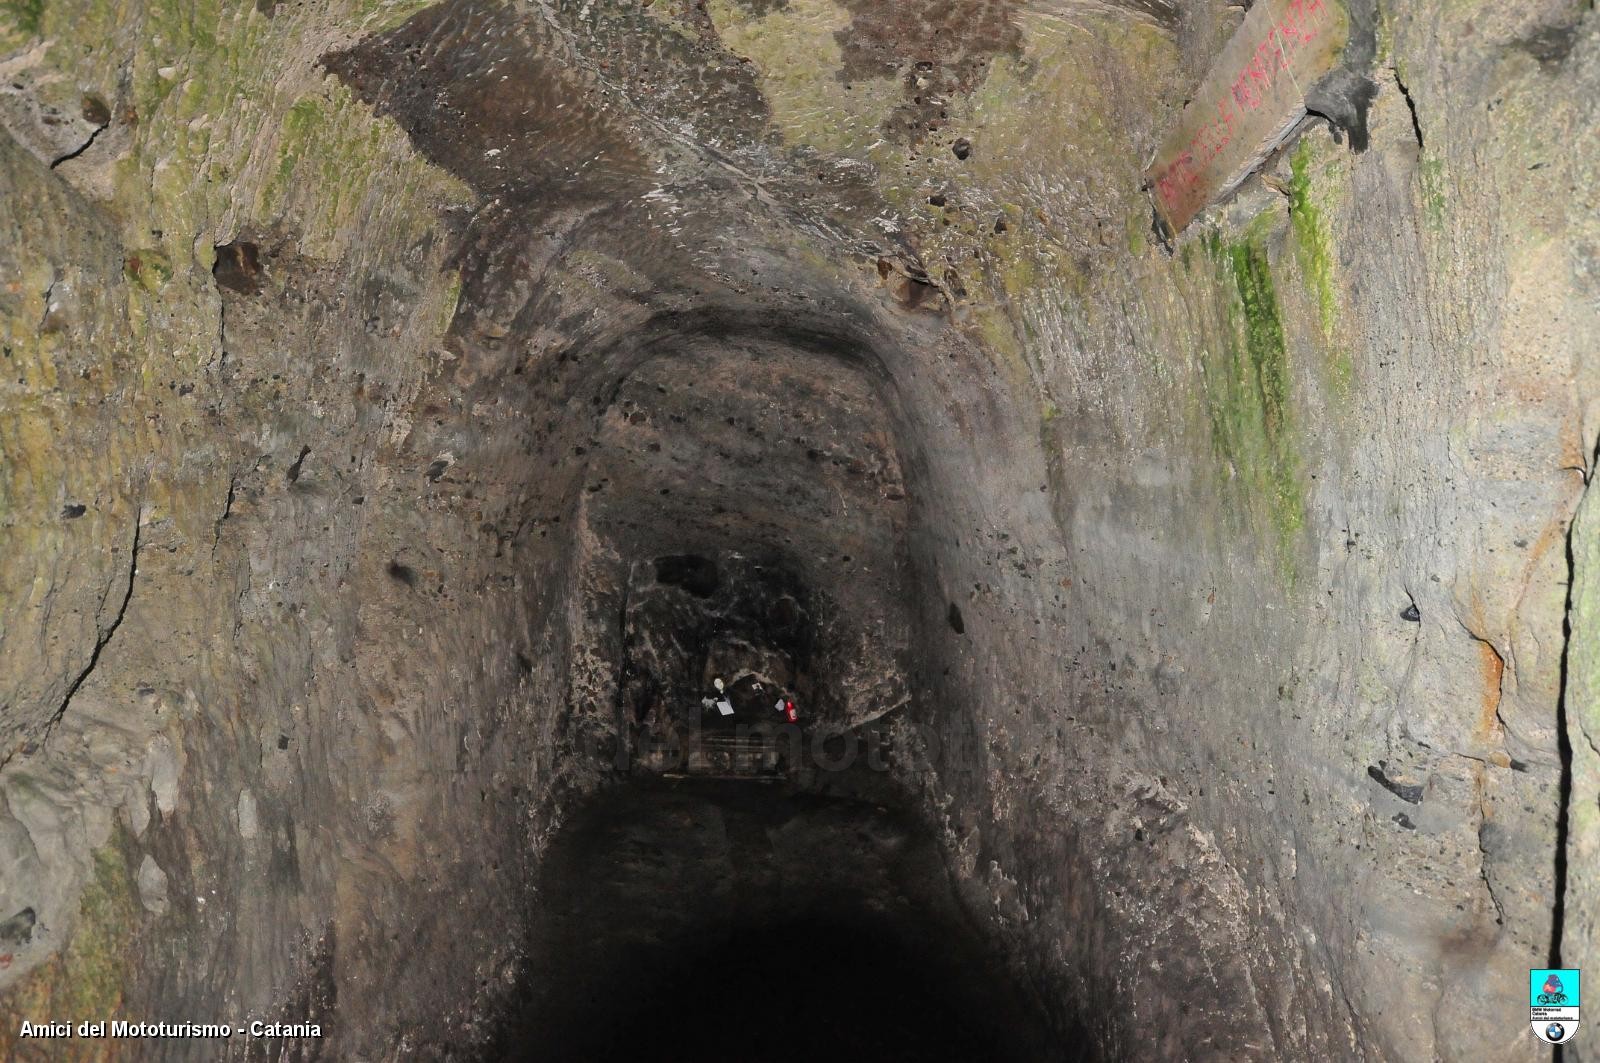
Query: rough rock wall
<point x="1580" y="903"/>
<point x="1313" y="474"/>
<point x="1238" y="571"/>
<point x="261" y="628"/>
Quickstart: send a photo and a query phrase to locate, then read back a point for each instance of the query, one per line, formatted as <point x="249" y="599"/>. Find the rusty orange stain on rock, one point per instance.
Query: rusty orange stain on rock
<point x="1494" y="670"/>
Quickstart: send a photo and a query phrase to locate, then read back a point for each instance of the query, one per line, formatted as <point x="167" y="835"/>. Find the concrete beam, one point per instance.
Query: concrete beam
<point x="1249" y="102"/>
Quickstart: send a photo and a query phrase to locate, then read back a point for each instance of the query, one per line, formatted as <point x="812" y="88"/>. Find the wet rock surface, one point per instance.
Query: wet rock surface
<point x="405" y="406"/>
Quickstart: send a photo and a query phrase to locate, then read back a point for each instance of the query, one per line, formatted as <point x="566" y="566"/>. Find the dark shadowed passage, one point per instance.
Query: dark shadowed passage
<point x="741" y="921"/>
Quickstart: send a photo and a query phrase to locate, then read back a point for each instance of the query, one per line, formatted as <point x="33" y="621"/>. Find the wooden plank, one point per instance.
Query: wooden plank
<point x="1250" y="100"/>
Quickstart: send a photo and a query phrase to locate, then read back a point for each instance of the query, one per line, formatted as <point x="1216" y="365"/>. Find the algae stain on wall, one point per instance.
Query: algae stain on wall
<point x="27" y="16"/>
<point x="290" y="144"/>
<point x="1313" y="242"/>
<point x="86" y="981"/>
<point x="1431" y="178"/>
<point x="797" y="53"/>
<point x="335" y="162"/>
<point x="1247" y="394"/>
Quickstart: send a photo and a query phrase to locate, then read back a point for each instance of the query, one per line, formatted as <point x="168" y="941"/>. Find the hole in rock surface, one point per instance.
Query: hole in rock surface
<point x="722" y="921"/>
<point x="697" y="575"/>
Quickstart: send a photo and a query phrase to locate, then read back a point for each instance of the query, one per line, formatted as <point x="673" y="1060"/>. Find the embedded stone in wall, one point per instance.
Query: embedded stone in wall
<point x="1248" y="103"/>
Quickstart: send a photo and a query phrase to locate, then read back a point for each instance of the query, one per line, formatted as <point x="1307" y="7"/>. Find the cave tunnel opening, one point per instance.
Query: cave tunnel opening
<point x="412" y="409"/>
<point x="744" y="886"/>
<point x="748" y="623"/>
<point x="746" y="521"/>
<point x="720" y="920"/>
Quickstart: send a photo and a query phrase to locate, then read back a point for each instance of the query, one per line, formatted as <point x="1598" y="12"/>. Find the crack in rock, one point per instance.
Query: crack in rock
<point x="100" y="643"/>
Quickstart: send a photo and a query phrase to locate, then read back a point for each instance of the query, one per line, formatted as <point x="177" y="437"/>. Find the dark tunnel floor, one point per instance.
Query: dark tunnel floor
<point x="791" y="992"/>
<point x="738" y="922"/>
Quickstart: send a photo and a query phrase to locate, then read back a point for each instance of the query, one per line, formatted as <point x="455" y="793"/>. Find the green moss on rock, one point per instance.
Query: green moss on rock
<point x="1313" y="243"/>
<point x="148" y="267"/>
<point x="88" y="978"/>
<point x="796" y="51"/>
<point x="1247" y="388"/>
<point x="96" y="959"/>
<point x="1311" y="236"/>
<point x="25" y="15"/>
<point x="1431" y="174"/>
